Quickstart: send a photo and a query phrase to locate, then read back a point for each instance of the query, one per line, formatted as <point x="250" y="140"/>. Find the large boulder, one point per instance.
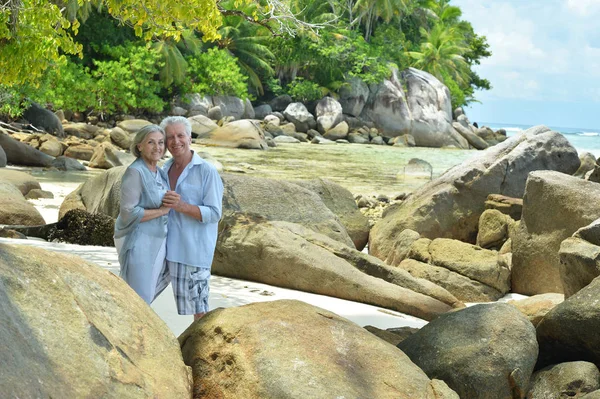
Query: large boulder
<point x="44" y="119"/>
<point x="21" y="180"/>
<point x="569" y="332"/>
<point x="107" y="156"/>
<point x="341" y="202"/>
<point x="281" y="200"/>
<point x="18" y="153"/>
<point x="431" y="111"/>
<point x="230" y="106"/>
<point x="588" y="163"/>
<point x="298" y="114"/>
<point x="289" y="349"/>
<point x="483" y="351"/>
<point x="473" y="139"/>
<point x="579" y="264"/>
<point x="450" y="206"/>
<point x="237" y="134"/>
<point x="14" y="208"/>
<point x="388" y="108"/>
<point x="289" y="255"/>
<point x="99" y="194"/>
<point x="92" y="337"/>
<point x="353" y="96"/>
<point x="329" y="114"/>
<point x="555" y="205"/>
<point x="133" y="125"/>
<point x="202" y="125"/>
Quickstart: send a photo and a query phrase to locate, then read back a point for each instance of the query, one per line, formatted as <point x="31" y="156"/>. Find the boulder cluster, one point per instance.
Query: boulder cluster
<point x="519" y="218"/>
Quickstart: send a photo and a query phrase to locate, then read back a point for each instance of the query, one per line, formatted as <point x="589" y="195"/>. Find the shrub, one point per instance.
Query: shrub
<point x="216" y="73"/>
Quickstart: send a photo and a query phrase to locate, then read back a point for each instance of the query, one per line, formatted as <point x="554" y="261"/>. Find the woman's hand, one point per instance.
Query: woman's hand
<point x="172" y="200"/>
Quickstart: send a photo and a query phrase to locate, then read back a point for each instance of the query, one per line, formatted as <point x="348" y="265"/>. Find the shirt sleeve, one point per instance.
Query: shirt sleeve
<point x="131" y="192"/>
<point x="212" y="201"/>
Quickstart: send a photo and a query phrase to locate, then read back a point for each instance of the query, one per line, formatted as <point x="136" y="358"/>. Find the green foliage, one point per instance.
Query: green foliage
<point x="274" y="87"/>
<point x="31" y="31"/>
<point x="216" y="73"/>
<point x="128" y="83"/>
<point x="101" y="31"/>
<point x="119" y="72"/>
<point x="457" y="96"/>
<point x="11" y="105"/>
<point x="304" y="90"/>
<point x="69" y="87"/>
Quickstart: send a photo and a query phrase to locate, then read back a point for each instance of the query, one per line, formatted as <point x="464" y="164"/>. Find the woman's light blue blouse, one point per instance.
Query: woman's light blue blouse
<point x="140" y="189"/>
<point x="191" y="241"/>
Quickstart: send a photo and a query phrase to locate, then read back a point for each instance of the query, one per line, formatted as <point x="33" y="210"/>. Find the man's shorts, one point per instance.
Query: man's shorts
<point x="190" y="287"/>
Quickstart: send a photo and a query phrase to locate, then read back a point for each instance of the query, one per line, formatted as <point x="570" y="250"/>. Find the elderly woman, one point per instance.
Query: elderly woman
<point x="141" y="227"/>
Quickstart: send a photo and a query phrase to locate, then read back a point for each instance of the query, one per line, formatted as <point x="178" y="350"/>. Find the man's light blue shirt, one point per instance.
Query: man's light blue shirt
<point x="191" y="241"/>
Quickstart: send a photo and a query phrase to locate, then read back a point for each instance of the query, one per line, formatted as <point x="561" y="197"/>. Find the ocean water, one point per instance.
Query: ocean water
<point x="581" y="138"/>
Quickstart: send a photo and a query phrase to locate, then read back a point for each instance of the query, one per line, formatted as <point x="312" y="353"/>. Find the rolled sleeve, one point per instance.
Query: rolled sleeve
<point x="212" y="202"/>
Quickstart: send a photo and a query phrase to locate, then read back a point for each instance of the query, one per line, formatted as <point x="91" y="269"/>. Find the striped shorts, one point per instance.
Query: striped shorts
<point x="190" y="287"/>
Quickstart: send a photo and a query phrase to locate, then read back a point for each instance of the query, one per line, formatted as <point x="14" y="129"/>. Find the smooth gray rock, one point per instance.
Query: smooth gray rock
<point x="483" y="351"/>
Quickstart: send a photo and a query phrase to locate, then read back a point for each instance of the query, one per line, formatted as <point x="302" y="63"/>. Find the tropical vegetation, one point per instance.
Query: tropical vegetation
<point x="104" y="57"/>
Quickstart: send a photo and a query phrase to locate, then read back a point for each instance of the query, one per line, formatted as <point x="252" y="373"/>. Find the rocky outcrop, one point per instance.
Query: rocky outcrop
<point x="569" y="332"/>
<point x="341" y="202"/>
<point x="289" y="349"/>
<point x="451" y="205"/>
<point x="470" y="273"/>
<point x="289" y="255"/>
<point x="483" y="351"/>
<point x="280" y="200"/>
<point x="572" y="204"/>
<point x="580" y="258"/>
<point x="93" y="336"/>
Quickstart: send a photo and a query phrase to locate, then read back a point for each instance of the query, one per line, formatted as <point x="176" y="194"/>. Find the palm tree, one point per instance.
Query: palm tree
<point x="249" y="46"/>
<point x="371" y="10"/>
<point x="441" y="54"/>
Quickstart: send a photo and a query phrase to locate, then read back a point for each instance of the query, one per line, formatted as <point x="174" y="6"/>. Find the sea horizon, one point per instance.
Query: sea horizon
<point x="583" y="139"/>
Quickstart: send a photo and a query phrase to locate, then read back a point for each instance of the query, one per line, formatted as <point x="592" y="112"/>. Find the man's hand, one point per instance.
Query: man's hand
<point x="172" y="200"/>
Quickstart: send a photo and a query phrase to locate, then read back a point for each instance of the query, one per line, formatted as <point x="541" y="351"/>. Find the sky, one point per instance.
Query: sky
<point x="545" y="63"/>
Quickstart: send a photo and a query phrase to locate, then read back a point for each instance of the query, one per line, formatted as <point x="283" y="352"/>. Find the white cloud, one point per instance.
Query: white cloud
<point x="541" y="49"/>
<point x="584" y="8"/>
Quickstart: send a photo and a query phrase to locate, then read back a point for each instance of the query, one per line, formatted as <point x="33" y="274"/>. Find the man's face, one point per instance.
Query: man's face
<point x="178" y="142"/>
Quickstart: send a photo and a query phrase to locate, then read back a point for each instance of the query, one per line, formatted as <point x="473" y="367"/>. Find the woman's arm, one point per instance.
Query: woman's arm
<point x="131" y="193"/>
<point x="150" y="214"/>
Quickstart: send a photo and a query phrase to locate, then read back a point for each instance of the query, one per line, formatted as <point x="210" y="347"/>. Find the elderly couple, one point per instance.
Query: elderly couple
<point x="167" y="226"/>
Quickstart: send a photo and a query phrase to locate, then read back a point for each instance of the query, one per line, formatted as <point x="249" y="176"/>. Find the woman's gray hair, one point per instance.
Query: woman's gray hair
<point x="176" y="120"/>
<point x="141" y="136"/>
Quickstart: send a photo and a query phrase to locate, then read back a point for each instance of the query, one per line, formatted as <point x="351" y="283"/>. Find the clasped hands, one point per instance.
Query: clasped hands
<point x="172" y="200"/>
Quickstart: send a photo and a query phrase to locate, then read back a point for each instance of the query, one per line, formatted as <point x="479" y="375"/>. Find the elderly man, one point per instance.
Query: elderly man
<point x="195" y="197"/>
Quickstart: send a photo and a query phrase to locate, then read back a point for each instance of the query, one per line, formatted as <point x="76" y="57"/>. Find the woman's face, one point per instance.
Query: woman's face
<point x="152" y="148"/>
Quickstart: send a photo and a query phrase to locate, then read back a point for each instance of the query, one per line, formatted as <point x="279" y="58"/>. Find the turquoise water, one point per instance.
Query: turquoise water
<point x="581" y="138"/>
